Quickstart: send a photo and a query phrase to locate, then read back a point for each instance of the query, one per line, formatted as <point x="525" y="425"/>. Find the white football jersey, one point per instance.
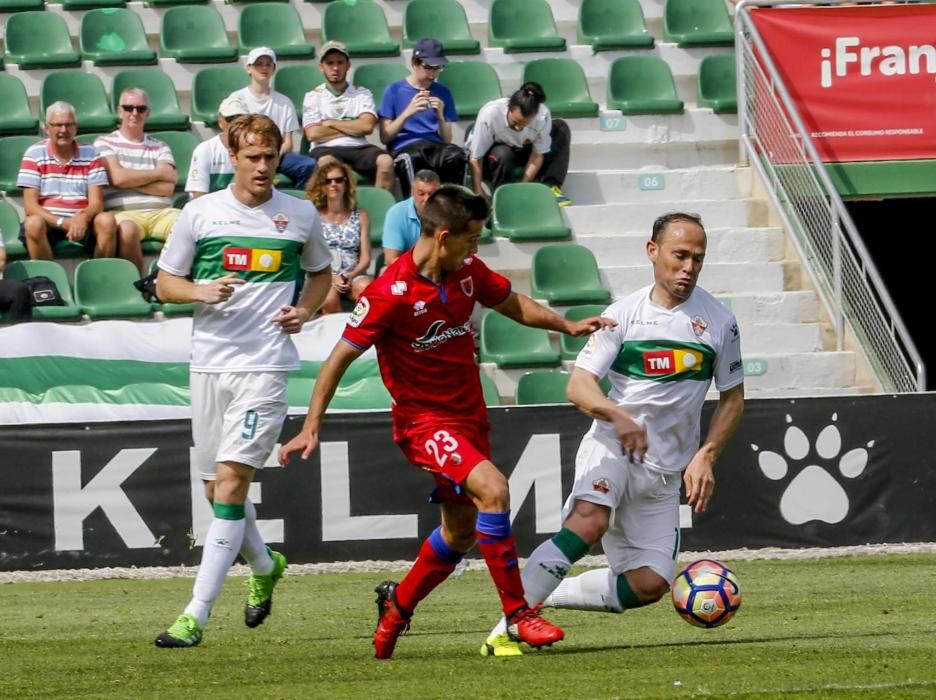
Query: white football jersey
<point x="267" y="246"/>
<point x="660" y="363"/>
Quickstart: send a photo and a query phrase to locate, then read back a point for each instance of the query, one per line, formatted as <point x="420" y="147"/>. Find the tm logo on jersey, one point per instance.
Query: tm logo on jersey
<point x="252" y="259"/>
<point x="435" y="336"/>
<point x="664" y="360"/>
<point x="671" y="361"/>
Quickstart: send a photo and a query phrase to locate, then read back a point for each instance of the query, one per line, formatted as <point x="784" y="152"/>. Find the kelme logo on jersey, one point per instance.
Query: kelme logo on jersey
<point x="253" y="259"/>
<point x="664" y="360"/>
<point x="671" y="361"/>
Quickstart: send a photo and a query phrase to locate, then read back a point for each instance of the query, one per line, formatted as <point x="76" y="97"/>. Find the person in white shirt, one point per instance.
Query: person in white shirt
<point x="211" y="168"/>
<point x="669" y="341"/>
<point x="260" y="98"/>
<point x="338" y="116"/>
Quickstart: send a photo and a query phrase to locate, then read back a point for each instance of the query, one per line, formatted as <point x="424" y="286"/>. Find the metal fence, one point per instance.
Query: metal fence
<point x="780" y="148"/>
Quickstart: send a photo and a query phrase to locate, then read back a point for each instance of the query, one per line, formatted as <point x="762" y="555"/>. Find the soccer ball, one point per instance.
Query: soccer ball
<point x="706" y="593"/>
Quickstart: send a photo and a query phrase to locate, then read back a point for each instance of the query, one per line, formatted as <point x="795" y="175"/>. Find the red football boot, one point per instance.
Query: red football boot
<point x="391" y="620"/>
<point x="528" y="627"/>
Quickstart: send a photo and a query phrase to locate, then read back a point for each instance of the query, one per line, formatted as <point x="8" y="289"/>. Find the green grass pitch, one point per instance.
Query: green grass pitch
<point x="830" y="628"/>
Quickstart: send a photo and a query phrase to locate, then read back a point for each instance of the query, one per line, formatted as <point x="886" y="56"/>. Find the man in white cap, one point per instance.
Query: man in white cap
<point x="260" y="98"/>
<point x="211" y="168"/>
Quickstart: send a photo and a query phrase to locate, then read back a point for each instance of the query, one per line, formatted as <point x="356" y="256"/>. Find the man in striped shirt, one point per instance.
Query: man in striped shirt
<point x="142" y="176"/>
<point x="63" y="191"/>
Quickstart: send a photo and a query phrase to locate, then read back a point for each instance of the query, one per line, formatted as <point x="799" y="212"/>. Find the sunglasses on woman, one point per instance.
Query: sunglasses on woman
<point x="335" y="180"/>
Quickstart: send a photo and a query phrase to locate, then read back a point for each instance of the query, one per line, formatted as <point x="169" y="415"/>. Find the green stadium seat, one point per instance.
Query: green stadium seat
<point x="489" y="387"/>
<point x="9" y="230"/>
<point x="85" y="92"/>
<point x="444" y="20"/>
<point x="567" y="273"/>
<point x="181" y="143"/>
<point x="542" y="386"/>
<point x="276" y="25"/>
<point x="377" y="76"/>
<point x="360" y="388"/>
<point x="295" y="81"/>
<point x="168" y="309"/>
<point x="511" y="344"/>
<point x="170" y="3"/>
<point x="569" y="347"/>
<point x="114" y="37"/>
<point x="642" y="85"/>
<point x="293" y="192"/>
<point x="16" y="115"/>
<point x="11" y="155"/>
<point x="565" y="85"/>
<point x="523" y="25"/>
<point x="473" y="83"/>
<point x="375" y="201"/>
<point x="717" y="86"/>
<point x="22" y="269"/>
<point x="165" y="110"/>
<point x="610" y="25"/>
<point x="39" y="40"/>
<point x="104" y="289"/>
<point x="528" y="211"/>
<point x="21" y="5"/>
<point x="195" y="34"/>
<point x="210" y="86"/>
<point x="361" y="26"/>
<point x="697" y="23"/>
<point x="92" y="4"/>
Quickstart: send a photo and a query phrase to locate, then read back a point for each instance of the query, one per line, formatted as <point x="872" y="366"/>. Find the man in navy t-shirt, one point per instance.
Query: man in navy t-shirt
<point x="416" y="116"/>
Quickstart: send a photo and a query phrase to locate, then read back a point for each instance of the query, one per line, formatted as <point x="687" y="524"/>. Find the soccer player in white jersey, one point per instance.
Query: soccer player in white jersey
<point x="244" y="248"/>
<point x="672" y="338"/>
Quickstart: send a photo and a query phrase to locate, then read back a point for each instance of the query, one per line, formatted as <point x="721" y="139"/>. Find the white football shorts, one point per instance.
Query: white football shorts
<point x="236" y="417"/>
<point x="644" y="503"/>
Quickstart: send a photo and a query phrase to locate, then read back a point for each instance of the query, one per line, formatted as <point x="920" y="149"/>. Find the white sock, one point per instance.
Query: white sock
<point x="594" y="590"/>
<point x="254" y="549"/>
<point x="222" y="543"/>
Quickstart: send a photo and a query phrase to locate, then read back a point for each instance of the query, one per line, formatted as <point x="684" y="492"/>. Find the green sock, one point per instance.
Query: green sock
<point x="627" y="596"/>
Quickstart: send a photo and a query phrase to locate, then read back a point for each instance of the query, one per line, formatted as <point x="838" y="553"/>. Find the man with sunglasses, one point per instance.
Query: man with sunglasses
<point x="142" y="175"/>
<point x="416" y="117"/>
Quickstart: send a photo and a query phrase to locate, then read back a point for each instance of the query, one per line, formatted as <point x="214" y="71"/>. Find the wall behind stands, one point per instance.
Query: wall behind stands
<point x="799" y="473"/>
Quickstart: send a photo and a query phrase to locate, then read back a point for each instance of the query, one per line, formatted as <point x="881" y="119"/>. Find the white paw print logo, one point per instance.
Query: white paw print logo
<point x="814" y="493"/>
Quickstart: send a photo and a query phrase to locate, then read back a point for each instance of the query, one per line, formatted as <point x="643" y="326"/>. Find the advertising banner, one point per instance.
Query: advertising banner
<point x="863" y="78"/>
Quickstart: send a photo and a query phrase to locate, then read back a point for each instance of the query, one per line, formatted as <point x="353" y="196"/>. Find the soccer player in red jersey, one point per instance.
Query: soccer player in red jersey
<point x="418" y="315"/>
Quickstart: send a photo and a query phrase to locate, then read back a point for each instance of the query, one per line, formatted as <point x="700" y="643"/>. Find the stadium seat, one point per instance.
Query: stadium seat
<point x="92" y="4"/>
<point x="170" y="3"/>
<point x="717" y="86"/>
<point x="523" y="25"/>
<point x="293" y="192"/>
<point x="85" y="92"/>
<point x="22" y="269"/>
<point x="375" y="201"/>
<point x="377" y="76"/>
<point x="16" y="115"/>
<point x="444" y="20"/>
<point x="642" y="85"/>
<point x="567" y="273"/>
<point x="114" y="37"/>
<point x="542" y="386"/>
<point x="39" y="40"/>
<point x="165" y="110"/>
<point x="276" y="25"/>
<point x="565" y="85"/>
<point x="609" y="25"/>
<point x="167" y="308"/>
<point x="104" y="289"/>
<point x="21" y="5"/>
<point x="528" y="211"/>
<point x="295" y="81"/>
<point x="489" y="387"/>
<point x="361" y="26"/>
<point x="511" y="344"/>
<point x="697" y="23"/>
<point x="569" y="346"/>
<point x="181" y="143"/>
<point x="9" y="230"/>
<point x="473" y="83"/>
<point x="11" y="155"/>
<point x="360" y="388"/>
<point x="210" y="86"/>
<point x="195" y="34"/>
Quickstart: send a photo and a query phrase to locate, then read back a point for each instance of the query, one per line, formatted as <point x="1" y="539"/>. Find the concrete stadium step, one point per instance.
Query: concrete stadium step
<point x="649" y="184"/>
<point x="768" y="338"/>
<point x="717" y="278"/>
<point x="608" y="154"/>
<point x="639" y="216"/>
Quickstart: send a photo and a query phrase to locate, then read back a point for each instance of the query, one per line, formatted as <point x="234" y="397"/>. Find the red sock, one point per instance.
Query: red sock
<point x="431" y="568"/>
<point x="500" y="555"/>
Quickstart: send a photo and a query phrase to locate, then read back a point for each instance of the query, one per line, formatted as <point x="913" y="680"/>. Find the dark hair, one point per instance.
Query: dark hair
<point x="260" y="125"/>
<point x="452" y="207"/>
<point x="528" y="98"/>
<point x="662" y="222"/>
<point x="427" y="176"/>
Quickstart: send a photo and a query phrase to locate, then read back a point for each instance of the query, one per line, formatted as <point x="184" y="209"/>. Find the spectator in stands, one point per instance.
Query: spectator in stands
<point x="401" y="224"/>
<point x="416" y="116"/>
<point x="337" y="116"/>
<point x="333" y="191"/>
<point x="15" y="300"/>
<point x="260" y="98"/>
<point x="519" y="130"/>
<point x="63" y="191"/>
<point x="211" y="168"/>
<point x="142" y="176"/>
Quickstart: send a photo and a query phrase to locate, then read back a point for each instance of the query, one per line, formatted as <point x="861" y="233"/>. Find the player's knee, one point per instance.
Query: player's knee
<point x="588" y="520"/>
<point x="490" y="489"/>
<point x="648" y="586"/>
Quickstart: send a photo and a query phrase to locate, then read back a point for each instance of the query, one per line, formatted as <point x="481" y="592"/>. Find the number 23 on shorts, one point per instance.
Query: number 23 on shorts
<point x="440" y="446"/>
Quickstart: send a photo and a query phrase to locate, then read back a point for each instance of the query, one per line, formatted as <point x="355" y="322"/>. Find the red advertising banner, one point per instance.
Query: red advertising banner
<point x="863" y="78"/>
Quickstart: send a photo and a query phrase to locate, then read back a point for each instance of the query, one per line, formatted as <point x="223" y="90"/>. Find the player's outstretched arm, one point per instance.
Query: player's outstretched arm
<point x="583" y="390"/>
<point x="699" y="476"/>
<point x="333" y="369"/>
<point x="179" y="290"/>
<point x="525" y="310"/>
